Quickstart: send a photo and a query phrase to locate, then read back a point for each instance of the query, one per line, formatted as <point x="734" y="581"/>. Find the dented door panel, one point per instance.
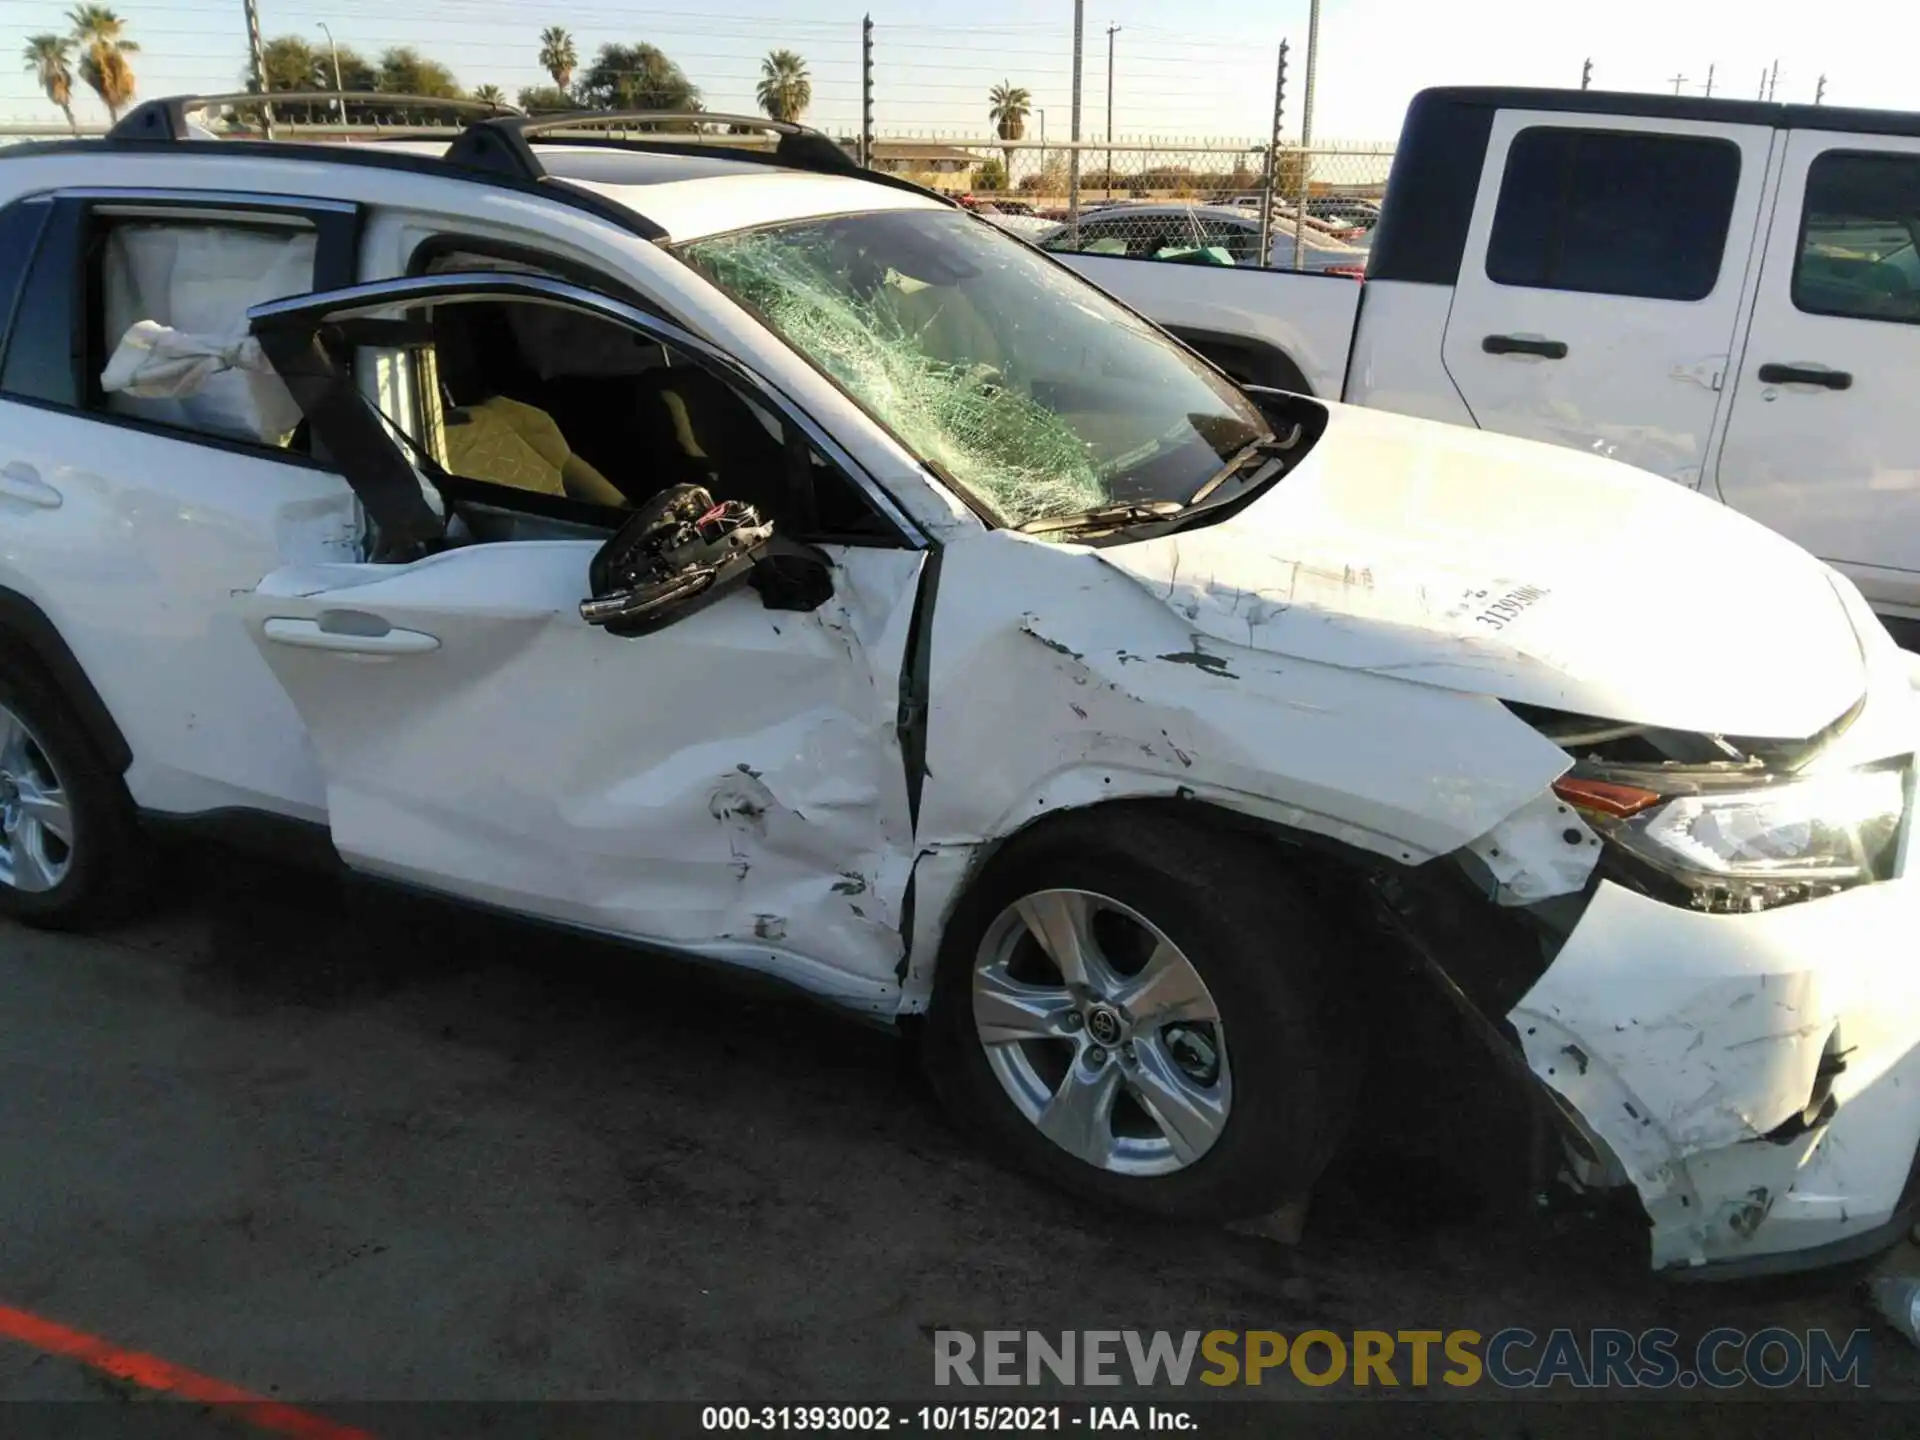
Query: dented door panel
<point x="728" y="785"/>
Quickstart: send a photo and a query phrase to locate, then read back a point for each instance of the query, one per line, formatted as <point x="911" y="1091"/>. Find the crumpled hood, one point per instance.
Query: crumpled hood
<point x="1520" y="570"/>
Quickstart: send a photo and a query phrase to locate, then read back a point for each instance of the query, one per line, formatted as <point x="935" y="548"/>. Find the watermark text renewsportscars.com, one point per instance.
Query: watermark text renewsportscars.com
<point x="1511" y="1359"/>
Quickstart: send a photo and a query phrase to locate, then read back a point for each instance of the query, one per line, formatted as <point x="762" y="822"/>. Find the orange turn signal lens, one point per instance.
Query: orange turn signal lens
<point x="1604" y="798"/>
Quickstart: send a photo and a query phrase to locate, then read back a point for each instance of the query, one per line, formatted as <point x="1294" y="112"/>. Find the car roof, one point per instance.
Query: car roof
<point x="691" y="196"/>
<point x="1666" y="107"/>
<point x="1228" y="214"/>
<point x="1121" y="210"/>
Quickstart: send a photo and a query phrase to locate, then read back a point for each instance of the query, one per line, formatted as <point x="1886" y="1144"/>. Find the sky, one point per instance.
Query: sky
<point x="1193" y="69"/>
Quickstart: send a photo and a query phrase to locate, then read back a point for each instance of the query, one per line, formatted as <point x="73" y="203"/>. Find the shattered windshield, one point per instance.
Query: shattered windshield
<point x="1029" y="388"/>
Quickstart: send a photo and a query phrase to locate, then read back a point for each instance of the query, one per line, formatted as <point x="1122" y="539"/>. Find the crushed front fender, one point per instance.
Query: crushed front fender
<point x="1756" y="1076"/>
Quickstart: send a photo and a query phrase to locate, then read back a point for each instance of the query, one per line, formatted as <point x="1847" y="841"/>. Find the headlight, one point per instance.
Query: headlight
<point x="1756" y="847"/>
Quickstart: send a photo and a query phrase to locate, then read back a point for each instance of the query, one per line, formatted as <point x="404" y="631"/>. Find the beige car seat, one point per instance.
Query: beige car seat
<point x="507" y="442"/>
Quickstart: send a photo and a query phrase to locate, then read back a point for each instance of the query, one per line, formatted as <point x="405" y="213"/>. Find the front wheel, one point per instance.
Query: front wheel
<point x="1142" y="1012"/>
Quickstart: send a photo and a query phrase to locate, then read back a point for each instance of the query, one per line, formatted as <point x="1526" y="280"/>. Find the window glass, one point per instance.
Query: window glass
<point x="1856" y="257"/>
<point x="19" y="235"/>
<point x="39" y="354"/>
<point x="559" y="403"/>
<point x="172" y="323"/>
<point x="1614" y="213"/>
<point x="1027" y="386"/>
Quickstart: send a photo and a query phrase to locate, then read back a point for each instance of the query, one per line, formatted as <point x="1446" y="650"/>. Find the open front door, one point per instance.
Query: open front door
<point x="729" y="782"/>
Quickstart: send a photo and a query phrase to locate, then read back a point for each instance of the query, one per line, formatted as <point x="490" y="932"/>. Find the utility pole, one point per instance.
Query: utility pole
<point x="340" y="89"/>
<point x="1678" y="81"/>
<point x="866" y="92"/>
<point x="1271" y="199"/>
<point x="1710" y="70"/>
<point x="1306" y="138"/>
<point x="257" y="59"/>
<point x="1073" y="161"/>
<point x="1820" y="91"/>
<point x="1774" y="82"/>
<point x="1586" y="75"/>
<point x="1763" y="83"/>
<point x="1112" y="30"/>
<point x="1043" y="147"/>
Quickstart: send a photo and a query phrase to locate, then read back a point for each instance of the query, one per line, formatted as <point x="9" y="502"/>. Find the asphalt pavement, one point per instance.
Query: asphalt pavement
<point x="335" y="1148"/>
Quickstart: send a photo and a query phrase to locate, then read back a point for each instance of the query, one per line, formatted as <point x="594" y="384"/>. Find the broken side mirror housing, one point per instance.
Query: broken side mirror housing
<point x="682" y="551"/>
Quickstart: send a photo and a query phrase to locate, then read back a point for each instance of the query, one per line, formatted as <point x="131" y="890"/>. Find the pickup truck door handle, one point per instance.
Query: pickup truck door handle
<point x="1524" y="345"/>
<point x="1777" y="374"/>
<point x="352" y="636"/>
<point x="21" y="482"/>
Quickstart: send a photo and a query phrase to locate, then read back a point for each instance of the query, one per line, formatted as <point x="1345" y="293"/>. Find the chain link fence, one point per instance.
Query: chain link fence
<point x="1212" y="201"/>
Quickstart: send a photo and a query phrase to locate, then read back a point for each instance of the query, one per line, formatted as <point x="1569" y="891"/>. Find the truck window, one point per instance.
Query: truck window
<point x="1614" y="213"/>
<point x="1857" y="233"/>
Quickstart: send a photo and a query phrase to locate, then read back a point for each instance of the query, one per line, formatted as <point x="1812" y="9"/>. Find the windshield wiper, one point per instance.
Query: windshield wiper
<point x="1103" y="517"/>
<point x="1267" y="449"/>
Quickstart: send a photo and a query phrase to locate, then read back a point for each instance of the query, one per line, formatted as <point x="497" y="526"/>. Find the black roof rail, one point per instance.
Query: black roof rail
<point x="166" y="119"/>
<point x="499" y="146"/>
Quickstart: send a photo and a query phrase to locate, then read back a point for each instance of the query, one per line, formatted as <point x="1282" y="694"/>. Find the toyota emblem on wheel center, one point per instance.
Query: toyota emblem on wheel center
<point x="1103" y="1026"/>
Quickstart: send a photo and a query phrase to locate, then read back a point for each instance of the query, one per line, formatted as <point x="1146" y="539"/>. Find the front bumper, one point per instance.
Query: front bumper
<point x="1685" y="1043"/>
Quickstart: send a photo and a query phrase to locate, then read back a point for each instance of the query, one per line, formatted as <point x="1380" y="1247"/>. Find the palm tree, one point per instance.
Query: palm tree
<point x="1011" y="104"/>
<point x="50" y="57"/>
<point x="490" y="95"/>
<point x="557" y="55"/>
<point x="785" y="88"/>
<point x="103" y="54"/>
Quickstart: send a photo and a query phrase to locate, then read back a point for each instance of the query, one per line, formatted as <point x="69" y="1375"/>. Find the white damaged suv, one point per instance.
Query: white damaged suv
<point x="734" y="552"/>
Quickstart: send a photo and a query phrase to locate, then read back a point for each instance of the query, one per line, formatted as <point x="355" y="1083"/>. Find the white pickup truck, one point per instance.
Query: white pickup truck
<point x="1723" y="292"/>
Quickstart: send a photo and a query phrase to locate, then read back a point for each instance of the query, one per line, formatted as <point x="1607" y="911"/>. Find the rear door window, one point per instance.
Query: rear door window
<point x="194" y="279"/>
<point x="1614" y="213"/>
<point x="1857" y="234"/>
<point x="39" y="342"/>
<point x="20" y="226"/>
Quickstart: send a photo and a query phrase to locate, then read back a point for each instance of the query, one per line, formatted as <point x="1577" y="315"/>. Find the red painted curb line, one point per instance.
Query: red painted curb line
<point x="163" y="1376"/>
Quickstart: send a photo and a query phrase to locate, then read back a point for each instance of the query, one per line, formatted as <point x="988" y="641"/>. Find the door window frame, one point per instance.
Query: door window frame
<point x="308" y="313"/>
<point x="1577" y="133"/>
<point x="77" y="213"/>
<point x="591" y="277"/>
<point x="1842" y="152"/>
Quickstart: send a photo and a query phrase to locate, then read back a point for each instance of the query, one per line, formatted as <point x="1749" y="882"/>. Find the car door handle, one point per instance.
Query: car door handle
<point x="346" y="638"/>
<point x="1525" y="345"/>
<point x="1778" y="374"/>
<point x="21" y="481"/>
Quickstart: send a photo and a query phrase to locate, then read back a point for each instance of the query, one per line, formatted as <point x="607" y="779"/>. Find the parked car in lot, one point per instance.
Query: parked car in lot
<point x="1722" y="292"/>
<point x="750" y="556"/>
<point x="1027" y="227"/>
<point x="1357" y="214"/>
<point x="1207" y="234"/>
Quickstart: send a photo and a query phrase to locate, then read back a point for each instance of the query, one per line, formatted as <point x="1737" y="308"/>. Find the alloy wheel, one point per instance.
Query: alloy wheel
<point x="36" y="821"/>
<point x="1102" y="1032"/>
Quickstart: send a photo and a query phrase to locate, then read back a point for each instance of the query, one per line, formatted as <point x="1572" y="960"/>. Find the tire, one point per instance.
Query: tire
<point x="1281" y="1040"/>
<point x="92" y="877"/>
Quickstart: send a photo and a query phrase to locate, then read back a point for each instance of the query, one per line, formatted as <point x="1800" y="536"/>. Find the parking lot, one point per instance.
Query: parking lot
<point x="341" y="1147"/>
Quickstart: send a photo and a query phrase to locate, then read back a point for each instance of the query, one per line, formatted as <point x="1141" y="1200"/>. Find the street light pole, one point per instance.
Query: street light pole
<point x="256" y="57"/>
<point x="1112" y="30"/>
<point x="1306" y="138"/>
<point x="1073" y="154"/>
<point x="339" y="89"/>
